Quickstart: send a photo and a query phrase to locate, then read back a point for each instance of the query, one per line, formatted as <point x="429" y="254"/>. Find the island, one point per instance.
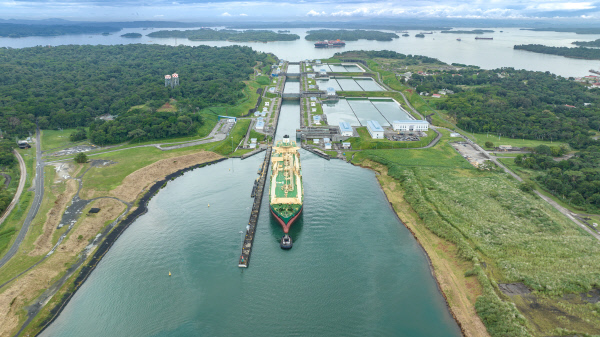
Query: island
<point x="474" y="31"/>
<point x="132" y="35"/>
<point x="566" y="30"/>
<point x="349" y="35"/>
<point x="420" y="35"/>
<point x="207" y="34"/>
<point x="578" y="52"/>
<point x="595" y="43"/>
<point x="22" y="30"/>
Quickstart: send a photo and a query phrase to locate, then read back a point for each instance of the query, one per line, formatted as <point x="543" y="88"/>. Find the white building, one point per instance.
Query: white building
<point x="260" y="125"/>
<point x="410" y="125"/>
<point x="345" y="129"/>
<point x="375" y="130"/>
<point x="346" y="145"/>
<point x="330" y="91"/>
<point x="327" y="146"/>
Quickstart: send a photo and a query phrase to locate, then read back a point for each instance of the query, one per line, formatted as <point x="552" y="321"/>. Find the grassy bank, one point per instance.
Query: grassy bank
<point x="507" y="235"/>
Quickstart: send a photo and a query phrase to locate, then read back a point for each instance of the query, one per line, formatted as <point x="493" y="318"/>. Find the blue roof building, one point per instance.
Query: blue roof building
<point x="375" y="130"/>
<point x="346" y="129"/>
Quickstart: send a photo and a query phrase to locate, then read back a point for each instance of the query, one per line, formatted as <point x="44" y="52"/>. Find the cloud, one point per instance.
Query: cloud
<point x="312" y="12"/>
<point x="562" y="6"/>
<point x="158" y="16"/>
<point x="243" y="14"/>
<point x="225" y="14"/>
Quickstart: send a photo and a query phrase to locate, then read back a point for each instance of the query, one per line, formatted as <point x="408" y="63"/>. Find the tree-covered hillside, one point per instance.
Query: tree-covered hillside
<point x="69" y="86"/>
<point x="516" y="103"/>
<point x="207" y="34"/>
<point x="349" y="35"/>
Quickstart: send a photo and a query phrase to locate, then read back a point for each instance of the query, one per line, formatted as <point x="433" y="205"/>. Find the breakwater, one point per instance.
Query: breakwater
<point x="257" y="192"/>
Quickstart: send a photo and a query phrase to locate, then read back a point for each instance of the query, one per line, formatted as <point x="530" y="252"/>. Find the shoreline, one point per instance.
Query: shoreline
<point x="466" y="328"/>
<point x="112" y="237"/>
<point x="429" y="262"/>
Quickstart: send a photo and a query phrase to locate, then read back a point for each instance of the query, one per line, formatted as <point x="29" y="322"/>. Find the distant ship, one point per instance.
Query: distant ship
<point x="286" y="194"/>
<point x="283" y="31"/>
<point x="330" y="43"/>
<point x="483" y="38"/>
<point x="426" y="32"/>
<point x="459" y="39"/>
<point x="419" y="35"/>
<point x="405" y="35"/>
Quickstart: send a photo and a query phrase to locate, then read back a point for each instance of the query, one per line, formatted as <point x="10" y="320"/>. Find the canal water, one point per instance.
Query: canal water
<point x="355" y="270"/>
<point x="488" y="54"/>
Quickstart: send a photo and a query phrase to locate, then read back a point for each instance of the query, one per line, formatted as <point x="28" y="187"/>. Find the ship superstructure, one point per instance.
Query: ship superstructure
<point x="286" y="194"/>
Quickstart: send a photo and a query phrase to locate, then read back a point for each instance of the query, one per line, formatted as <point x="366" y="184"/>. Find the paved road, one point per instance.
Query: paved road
<point x="35" y="206"/>
<point x="22" y="180"/>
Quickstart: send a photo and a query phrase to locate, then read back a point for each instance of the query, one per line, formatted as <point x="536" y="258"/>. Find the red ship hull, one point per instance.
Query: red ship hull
<point x="284" y="226"/>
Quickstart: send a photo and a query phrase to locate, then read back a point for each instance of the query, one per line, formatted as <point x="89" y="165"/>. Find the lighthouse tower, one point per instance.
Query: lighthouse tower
<point x="175" y="80"/>
<point x="167" y="80"/>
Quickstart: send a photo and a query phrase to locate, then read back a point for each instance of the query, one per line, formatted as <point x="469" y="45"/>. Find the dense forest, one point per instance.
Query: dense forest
<point x="132" y="35"/>
<point x="17" y="30"/>
<point x="207" y="34"/>
<point x="578" y="52"/>
<point x="388" y="54"/>
<point x="575" y="181"/>
<point x="7" y="161"/>
<point x="70" y="86"/>
<point x="474" y="31"/>
<point x="349" y="35"/>
<point x="595" y="43"/>
<point x="516" y="103"/>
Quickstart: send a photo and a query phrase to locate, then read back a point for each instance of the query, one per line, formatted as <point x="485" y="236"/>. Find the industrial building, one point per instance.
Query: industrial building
<point x="375" y="130"/>
<point x="260" y="125"/>
<point x="410" y="125"/>
<point x="331" y="91"/>
<point x="346" y="129"/>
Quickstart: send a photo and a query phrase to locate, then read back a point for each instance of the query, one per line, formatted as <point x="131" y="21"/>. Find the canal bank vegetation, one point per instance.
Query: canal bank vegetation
<point x="577" y="52"/>
<point x="349" y="35"/>
<point x="507" y="235"/>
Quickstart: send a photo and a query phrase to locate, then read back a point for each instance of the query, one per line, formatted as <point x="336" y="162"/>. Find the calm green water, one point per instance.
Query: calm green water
<point x="354" y="270"/>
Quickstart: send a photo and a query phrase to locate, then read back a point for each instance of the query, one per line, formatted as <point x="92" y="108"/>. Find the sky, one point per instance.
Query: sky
<point x="306" y="10"/>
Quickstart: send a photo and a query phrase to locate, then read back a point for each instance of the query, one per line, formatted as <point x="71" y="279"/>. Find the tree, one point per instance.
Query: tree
<point x="527" y="186"/>
<point x="489" y="145"/>
<point x="81" y="158"/>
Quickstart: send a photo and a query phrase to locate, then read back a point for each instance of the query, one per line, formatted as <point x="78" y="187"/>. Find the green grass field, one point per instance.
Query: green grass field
<point x="441" y="155"/>
<point x="365" y="142"/>
<point x="481" y="138"/>
<point x="52" y="139"/>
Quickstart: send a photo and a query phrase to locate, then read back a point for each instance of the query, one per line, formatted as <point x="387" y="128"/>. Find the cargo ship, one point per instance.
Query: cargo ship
<point x="286" y="195"/>
<point x="483" y="38"/>
<point x="330" y="43"/>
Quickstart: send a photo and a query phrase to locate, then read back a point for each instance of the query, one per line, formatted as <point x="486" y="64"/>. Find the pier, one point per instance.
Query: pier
<point x="257" y="192"/>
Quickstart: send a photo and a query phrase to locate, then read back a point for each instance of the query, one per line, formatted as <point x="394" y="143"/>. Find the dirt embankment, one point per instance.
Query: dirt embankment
<point x="139" y="180"/>
<point x="459" y="291"/>
<point x="43" y="243"/>
<point x="27" y="287"/>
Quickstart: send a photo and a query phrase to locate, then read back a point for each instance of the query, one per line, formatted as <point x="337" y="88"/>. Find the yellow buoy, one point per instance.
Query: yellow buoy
<point x="169" y="273"/>
<point x="208" y="205"/>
